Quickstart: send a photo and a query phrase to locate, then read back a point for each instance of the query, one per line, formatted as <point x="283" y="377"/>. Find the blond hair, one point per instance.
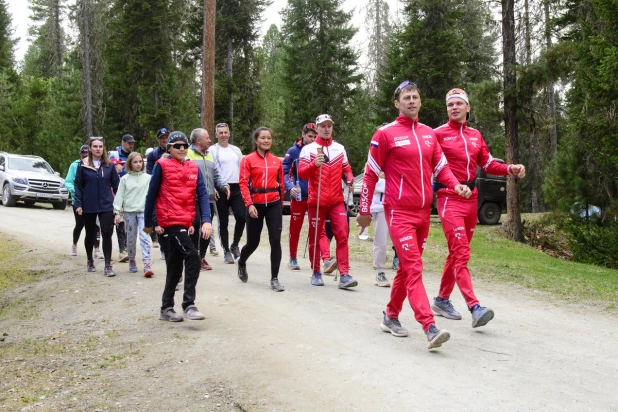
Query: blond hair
<point x="127" y="165"/>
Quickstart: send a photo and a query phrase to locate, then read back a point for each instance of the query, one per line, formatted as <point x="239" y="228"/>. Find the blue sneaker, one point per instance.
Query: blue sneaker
<point x="444" y="307"/>
<point x="316" y="279"/>
<point x="293" y="264"/>
<point x="395" y="263"/>
<point x="481" y="315"/>
<point x="330" y="265"/>
<point x="346" y="281"/>
<point x="436" y="337"/>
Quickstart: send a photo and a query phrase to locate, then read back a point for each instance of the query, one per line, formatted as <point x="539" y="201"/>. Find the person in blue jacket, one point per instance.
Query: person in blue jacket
<point x="96" y="182"/>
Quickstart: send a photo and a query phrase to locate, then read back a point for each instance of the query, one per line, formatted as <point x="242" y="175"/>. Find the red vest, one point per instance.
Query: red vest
<point x="176" y="200"/>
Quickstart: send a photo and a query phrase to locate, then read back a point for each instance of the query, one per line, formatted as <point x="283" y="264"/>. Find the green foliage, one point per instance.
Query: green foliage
<point x="7" y="43"/>
<point x="49" y="42"/>
<point x="593" y="240"/>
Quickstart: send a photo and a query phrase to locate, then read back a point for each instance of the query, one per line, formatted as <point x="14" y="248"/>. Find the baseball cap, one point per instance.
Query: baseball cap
<point x="176" y="137"/>
<point x="128" y="138"/>
<point x="83" y="151"/>
<point x="324" y="118"/>
<point x="460" y="93"/>
<point x="309" y="126"/>
<point x="162" y="131"/>
<point x="115" y="161"/>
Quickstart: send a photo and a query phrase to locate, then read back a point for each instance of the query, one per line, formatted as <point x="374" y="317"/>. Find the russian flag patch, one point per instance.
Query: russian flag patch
<point x="374" y="143"/>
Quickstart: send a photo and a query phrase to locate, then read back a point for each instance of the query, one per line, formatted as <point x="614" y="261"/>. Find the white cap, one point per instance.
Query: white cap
<point x="323" y="118"/>
<point x="457" y="93"/>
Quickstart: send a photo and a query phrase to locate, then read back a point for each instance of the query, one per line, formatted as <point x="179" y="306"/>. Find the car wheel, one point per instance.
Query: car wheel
<point x="356" y="207"/>
<point x="7" y="199"/>
<point x="489" y="214"/>
<point x="60" y="205"/>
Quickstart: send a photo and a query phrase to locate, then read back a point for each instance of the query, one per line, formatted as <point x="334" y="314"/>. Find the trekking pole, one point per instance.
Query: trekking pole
<point x="317" y="214"/>
<point x="306" y="244"/>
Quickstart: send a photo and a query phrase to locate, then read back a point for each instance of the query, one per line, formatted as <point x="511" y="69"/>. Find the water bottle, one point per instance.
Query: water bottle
<point x="299" y="197"/>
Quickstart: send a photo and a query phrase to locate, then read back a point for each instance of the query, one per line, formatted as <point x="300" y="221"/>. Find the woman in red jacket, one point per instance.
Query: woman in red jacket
<point x="261" y="185"/>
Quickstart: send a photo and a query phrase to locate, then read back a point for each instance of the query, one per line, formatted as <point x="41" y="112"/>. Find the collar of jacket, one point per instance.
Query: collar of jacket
<point x="406" y="121"/>
<point x="197" y="151"/>
<point x="299" y="142"/>
<point x="136" y="173"/>
<point x="456" y="125"/>
<point x="265" y="154"/>
<point x="323" y="142"/>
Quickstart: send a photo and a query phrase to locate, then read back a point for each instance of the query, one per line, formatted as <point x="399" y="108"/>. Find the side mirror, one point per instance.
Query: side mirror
<point x="57" y="174"/>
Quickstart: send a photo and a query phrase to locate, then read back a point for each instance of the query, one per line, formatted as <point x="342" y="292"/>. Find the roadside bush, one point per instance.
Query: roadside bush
<point x="592" y="241"/>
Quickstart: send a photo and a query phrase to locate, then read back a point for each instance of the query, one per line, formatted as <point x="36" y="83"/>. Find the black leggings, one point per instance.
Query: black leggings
<point x="106" y="219"/>
<point x="273" y="216"/>
<point x="77" y="231"/>
<point x="240" y="212"/>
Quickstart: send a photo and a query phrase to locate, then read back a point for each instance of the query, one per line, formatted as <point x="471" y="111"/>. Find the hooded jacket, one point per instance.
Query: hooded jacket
<point x="290" y="169"/>
<point x="94" y="187"/>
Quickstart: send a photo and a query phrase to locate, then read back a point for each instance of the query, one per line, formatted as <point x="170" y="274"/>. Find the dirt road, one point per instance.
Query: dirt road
<point x="307" y="349"/>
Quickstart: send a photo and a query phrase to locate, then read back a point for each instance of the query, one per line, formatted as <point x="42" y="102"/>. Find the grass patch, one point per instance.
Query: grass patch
<point x="13" y="269"/>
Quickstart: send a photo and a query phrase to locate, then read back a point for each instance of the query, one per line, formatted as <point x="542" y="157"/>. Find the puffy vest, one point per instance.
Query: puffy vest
<point x="176" y="200"/>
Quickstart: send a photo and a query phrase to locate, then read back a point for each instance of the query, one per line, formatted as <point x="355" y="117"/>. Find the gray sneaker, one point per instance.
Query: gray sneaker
<point x="393" y="326"/>
<point x="277" y="287"/>
<point x="170" y="315"/>
<point x="109" y="272"/>
<point x="213" y="251"/>
<point x="192" y="313"/>
<point x="444" y="307"/>
<point x="242" y="271"/>
<point x="316" y="279"/>
<point x="235" y="251"/>
<point x="73" y="251"/>
<point x="381" y="280"/>
<point x="330" y="265"/>
<point x="346" y="281"/>
<point x="293" y="265"/>
<point x="91" y="267"/>
<point x="481" y="315"/>
<point x="98" y="254"/>
<point x="228" y="258"/>
<point x="436" y="337"/>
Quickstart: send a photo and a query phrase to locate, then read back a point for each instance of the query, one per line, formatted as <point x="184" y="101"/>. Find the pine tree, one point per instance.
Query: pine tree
<point x="7" y="43"/>
<point x="50" y="42"/>
<point x="377" y="23"/>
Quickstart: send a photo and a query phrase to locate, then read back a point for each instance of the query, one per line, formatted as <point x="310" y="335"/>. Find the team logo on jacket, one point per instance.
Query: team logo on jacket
<point x="374" y="143"/>
<point x="427" y="136"/>
<point x="193" y="177"/>
<point x="401" y="141"/>
<point x="428" y="143"/>
<point x="446" y="139"/>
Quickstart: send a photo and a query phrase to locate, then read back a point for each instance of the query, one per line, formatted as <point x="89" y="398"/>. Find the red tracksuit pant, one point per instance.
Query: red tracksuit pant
<point x="298" y="208"/>
<point x="339" y="222"/>
<point x="458" y="216"/>
<point x="408" y="230"/>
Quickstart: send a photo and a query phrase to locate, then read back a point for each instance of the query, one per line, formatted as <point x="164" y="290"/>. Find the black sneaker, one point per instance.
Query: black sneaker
<point x="393" y="326"/>
<point x="436" y="337"/>
<point x="235" y="251"/>
<point x="242" y="271"/>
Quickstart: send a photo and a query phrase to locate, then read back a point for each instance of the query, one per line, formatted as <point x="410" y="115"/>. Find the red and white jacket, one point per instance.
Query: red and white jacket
<point x="464" y="149"/>
<point x="408" y="153"/>
<point x="261" y="179"/>
<point x="332" y="171"/>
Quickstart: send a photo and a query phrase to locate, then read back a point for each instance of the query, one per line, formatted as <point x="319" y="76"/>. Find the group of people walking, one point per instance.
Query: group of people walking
<point x="177" y="191"/>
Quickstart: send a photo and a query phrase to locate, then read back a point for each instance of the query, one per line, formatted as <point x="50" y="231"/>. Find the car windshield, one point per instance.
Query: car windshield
<point x="29" y="165"/>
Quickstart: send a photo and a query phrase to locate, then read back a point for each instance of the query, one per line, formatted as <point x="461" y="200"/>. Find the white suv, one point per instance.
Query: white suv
<point x="30" y="179"/>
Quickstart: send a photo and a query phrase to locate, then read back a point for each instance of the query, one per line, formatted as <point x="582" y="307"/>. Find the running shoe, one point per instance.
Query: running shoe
<point x="393" y="326"/>
<point x="293" y="265"/>
<point x="98" y="254"/>
<point x="205" y="265"/>
<point x="109" y="272"/>
<point x="381" y="280"/>
<point x="316" y="279"/>
<point x="155" y="244"/>
<point x="242" y="271"/>
<point x="123" y="256"/>
<point x="73" y="251"/>
<point x="213" y="251"/>
<point x="346" y="281"/>
<point x="481" y="315"/>
<point x="330" y="265"/>
<point x="192" y="313"/>
<point x="444" y="307"/>
<point x="228" y="258"/>
<point x="235" y="251"/>
<point x="170" y="315"/>
<point x="436" y="337"/>
<point x="132" y="266"/>
<point x="91" y="267"/>
<point x="148" y="273"/>
<point x="395" y="263"/>
<point x="162" y="255"/>
<point x="277" y="287"/>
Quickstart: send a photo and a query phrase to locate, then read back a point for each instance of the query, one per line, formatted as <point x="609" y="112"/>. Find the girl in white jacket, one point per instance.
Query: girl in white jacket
<point x="130" y="201"/>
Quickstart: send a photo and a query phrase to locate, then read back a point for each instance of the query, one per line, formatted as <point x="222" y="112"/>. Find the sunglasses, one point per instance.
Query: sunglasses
<point x="180" y="146"/>
<point x="222" y="125"/>
<point x="405" y="84"/>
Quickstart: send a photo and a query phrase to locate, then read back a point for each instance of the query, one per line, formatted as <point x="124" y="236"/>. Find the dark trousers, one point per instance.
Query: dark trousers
<point x="77" y="230"/>
<point x="198" y="241"/>
<point x="106" y="219"/>
<point x="121" y="234"/>
<point x="240" y="211"/>
<point x="180" y="250"/>
<point x="273" y="216"/>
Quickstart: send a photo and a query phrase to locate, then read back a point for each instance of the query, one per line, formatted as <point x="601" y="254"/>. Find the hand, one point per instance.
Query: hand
<point x="117" y="220"/>
<point x="191" y="230"/>
<point x="363" y="221"/>
<point x="253" y="212"/>
<point x="78" y="211"/>
<point x="159" y="230"/>
<point x="351" y="185"/>
<point x="227" y="192"/>
<point x="463" y="191"/>
<point x="206" y="230"/>
<point x="217" y="195"/>
<point x="294" y="192"/>
<point x="147" y="230"/>
<point x="519" y="170"/>
<point x="319" y="160"/>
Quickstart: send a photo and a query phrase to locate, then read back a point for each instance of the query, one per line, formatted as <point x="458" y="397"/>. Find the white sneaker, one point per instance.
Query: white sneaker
<point x="73" y="251"/>
<point x="98" y="254"/>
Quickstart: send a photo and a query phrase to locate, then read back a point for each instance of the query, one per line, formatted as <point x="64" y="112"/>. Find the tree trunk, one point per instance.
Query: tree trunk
<point x="514" y="229"/>
<point x="551" y="103"/>
<point x="230" y="90"/>
<point x="87" y="65"/>
<point x="534" y="155"/>
<point x="57" y="64"/>
<point x="208" y="71"/>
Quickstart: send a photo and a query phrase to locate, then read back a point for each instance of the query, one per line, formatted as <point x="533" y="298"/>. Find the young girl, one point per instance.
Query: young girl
<point x="95" y="182"/>
<point x="261" y="185"/>
<point x="130" y="201"/>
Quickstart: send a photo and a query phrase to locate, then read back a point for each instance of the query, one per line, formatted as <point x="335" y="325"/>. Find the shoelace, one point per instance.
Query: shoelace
<point x="396" y="322"/>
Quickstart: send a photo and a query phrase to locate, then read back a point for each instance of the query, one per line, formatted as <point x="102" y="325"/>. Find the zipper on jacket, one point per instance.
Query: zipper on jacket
<point x="420" y="155"/>
<point x="467" y="154"/>
<point x="400" y="186"/>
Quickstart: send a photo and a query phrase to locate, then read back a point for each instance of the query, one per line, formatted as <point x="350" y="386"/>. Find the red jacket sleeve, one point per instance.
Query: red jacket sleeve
<point x="378" y="151"/>
<point x="244" y="179"/>
<point x="441" y="170"/>
<point x="489" y="164"/>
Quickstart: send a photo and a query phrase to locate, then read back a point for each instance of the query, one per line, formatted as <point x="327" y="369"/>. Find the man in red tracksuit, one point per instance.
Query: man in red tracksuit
<point x="464" y="149"/>
<point x="408" y="153"/>
<point x="325" y="163"/>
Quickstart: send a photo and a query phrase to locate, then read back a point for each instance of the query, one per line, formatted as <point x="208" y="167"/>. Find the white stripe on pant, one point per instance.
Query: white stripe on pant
<point x="134" y="225"/>
<point x="380" y="238"/>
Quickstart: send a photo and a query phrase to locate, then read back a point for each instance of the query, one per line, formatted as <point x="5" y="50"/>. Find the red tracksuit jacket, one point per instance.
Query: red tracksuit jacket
<point x="261" y="179"/>
<point x="408" y="153"/>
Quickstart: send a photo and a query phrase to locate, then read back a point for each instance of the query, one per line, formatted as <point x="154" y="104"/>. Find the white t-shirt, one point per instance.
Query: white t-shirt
<point x="96" y="163"/>
<point x="230" y="164"/>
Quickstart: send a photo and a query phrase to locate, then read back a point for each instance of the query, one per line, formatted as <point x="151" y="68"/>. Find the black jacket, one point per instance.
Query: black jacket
<point x="93" y="188"/>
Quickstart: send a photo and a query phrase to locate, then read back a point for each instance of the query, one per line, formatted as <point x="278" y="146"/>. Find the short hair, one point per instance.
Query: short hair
<point x="197" y="133"/>
<point x="406" y="86"/>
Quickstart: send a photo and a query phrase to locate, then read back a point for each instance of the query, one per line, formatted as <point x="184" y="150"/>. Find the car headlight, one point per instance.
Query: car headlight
<point x="20" y="180"/>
